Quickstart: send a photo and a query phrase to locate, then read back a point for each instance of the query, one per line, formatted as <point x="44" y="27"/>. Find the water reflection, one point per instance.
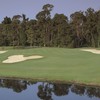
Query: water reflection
<point x="16" y="85"/>
<point x="79" y="90"/>
<point x="46" y="91"/>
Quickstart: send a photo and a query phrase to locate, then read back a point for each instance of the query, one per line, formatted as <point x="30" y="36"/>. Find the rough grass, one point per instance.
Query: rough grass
<point x="58" y="64"/>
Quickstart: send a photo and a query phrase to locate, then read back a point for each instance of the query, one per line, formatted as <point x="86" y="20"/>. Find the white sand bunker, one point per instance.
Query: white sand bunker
<point x="19" y="58"/>
<point x="92" y="51"/>
<point x="2" y="52"/>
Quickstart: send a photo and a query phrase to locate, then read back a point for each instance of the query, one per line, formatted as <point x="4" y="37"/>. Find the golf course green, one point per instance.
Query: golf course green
<point x="57" y="64"/>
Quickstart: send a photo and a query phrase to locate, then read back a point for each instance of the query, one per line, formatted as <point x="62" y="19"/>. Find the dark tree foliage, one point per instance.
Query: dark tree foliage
<point x="82" y="30"/>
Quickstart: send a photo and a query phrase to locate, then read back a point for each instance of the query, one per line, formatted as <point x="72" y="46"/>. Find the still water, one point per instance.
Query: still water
<point x="29" y="90"/>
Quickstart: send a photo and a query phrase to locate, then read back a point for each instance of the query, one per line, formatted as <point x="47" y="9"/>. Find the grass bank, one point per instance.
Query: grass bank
<point x="59" y="64"/>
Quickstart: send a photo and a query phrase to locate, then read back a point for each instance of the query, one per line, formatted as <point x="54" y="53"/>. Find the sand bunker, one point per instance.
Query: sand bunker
<point x="92" y="51"/>
<point x="19" y="58"/>
<point x="2" y="52"/>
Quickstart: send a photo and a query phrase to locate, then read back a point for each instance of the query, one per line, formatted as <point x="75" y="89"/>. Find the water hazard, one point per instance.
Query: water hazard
<point x="30" y="90"/>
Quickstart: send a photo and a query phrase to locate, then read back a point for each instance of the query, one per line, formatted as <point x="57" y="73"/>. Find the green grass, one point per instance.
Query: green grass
<point x="58" y="64"/>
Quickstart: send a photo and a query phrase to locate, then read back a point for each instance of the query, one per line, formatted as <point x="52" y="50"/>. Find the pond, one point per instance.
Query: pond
<point x="31" y="90"/>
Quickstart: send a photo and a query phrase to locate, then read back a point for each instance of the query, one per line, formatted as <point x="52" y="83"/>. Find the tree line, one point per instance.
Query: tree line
<point x="82" y="29"/>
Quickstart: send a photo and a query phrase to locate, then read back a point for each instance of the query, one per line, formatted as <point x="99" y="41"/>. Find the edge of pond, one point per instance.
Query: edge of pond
<point x="52" y="81"/>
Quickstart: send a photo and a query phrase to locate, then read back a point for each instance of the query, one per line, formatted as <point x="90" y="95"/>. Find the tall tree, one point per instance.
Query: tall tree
<point x="98" y="27"/>
<point x="22" y="30"/>
<point x="15" y="32"/>
<point x="91" y="27"/>
<point x="77" y="23"/>
<point x="32" y="34"/>
<point x="60" y="30"/>
<point x="44" y="19"/>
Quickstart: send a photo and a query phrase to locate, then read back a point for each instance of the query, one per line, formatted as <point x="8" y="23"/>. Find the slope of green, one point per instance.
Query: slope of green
<point x="58" y="64"/>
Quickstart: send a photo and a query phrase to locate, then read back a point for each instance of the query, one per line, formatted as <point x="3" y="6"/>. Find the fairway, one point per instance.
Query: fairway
<point x="57" y="64"/>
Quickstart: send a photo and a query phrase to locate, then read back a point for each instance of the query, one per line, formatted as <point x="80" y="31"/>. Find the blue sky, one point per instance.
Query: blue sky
<point x="32" y="7"/>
